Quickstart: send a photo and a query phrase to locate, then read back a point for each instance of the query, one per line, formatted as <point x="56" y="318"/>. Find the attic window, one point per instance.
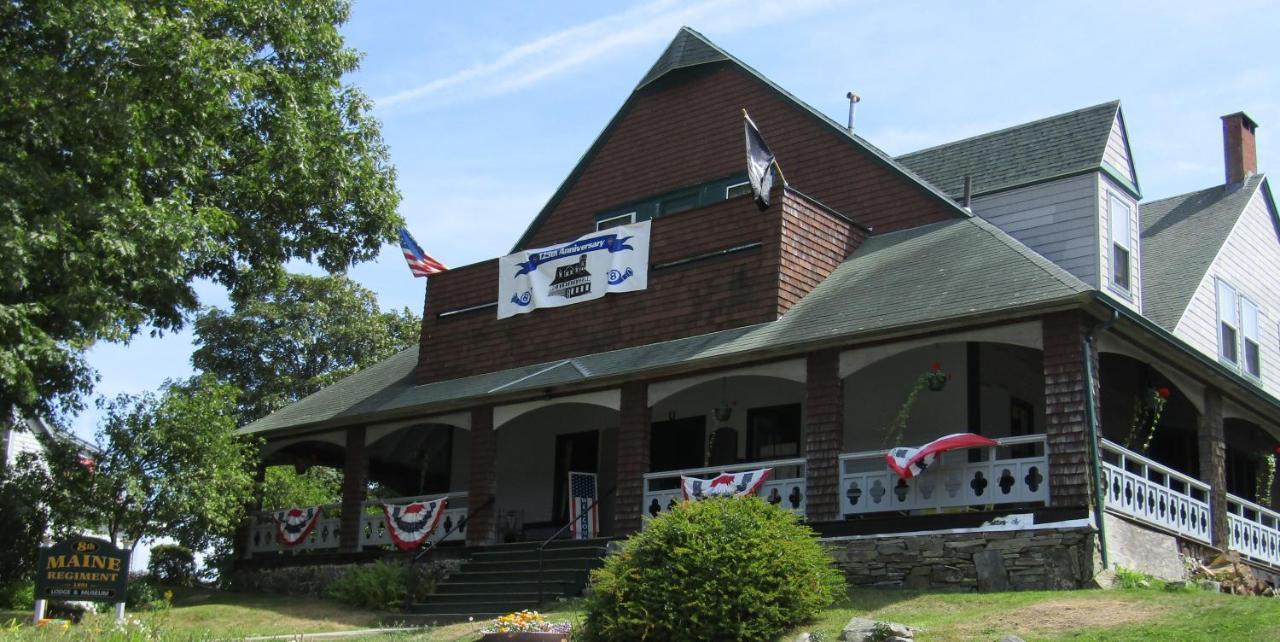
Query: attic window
<point x="1228" y="324"/>
<point x="615" y="221"/>
<point x="1249" y="338"/>
<point x="1121" y="244"/>
<point x="737" y="189"/>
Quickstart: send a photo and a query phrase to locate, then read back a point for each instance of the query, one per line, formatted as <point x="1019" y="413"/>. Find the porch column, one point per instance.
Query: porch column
<point x="824" y="432"/>
<point x="633" y="457"/>
<point x="1213" y="458"/>
<point x="483" y="484"/>
<point x="355" y="483"/>
<point x="1066" y="423"/>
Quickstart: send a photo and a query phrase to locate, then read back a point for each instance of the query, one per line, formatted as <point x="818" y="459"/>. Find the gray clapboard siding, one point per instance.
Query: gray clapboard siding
<point x="1249" y="262"/>
<point x="19" y="442"/>
<point x="1056" y="219"/>
<point x="1106" y="188"/>
<point x="1117" y="152"/>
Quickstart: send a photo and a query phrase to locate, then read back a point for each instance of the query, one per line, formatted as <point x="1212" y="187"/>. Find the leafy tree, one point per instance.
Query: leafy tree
<point x="26" y="519"/>
<point x="289" y="335"/>
<point x="168" y="465"/>
<point x="319" y="485"/>
<point x="144" y="145"/>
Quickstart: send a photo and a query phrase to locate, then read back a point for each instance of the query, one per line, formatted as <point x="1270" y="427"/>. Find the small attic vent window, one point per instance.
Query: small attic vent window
<point x="615" y="221"/>
<point x="737" y="189"/>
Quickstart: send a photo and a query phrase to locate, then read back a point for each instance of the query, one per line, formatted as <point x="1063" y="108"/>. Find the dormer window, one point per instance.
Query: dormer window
<point x="1121" y="244"/>
<point x="1249" y="338"/>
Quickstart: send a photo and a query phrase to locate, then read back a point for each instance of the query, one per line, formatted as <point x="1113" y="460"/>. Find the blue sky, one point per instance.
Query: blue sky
<point x="486" y="106"/>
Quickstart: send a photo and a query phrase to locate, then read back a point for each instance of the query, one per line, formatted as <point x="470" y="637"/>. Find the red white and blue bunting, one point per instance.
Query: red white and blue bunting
<point x="411" y="524"/>
<point x="724" y="485"/>
<point x="910" y="462"/>
<point x="293" y="525"/>
<point x="584" y="516"/>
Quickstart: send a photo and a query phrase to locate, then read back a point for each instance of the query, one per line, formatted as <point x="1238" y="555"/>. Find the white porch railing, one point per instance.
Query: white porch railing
<point x="1145" y="490"/>
<point x="373" y="525"/>
<point x="1254" y="530"/>
<point x="785" y="486"/>
<point x="373" y="530"/>
<point x="1015" y="472"/>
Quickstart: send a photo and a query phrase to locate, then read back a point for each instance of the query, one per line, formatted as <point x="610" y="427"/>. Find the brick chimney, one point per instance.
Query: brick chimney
<point x="1238" y="147"/>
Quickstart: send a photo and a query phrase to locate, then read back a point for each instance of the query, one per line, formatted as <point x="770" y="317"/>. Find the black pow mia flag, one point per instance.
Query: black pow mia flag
<point x="760" y="162"/>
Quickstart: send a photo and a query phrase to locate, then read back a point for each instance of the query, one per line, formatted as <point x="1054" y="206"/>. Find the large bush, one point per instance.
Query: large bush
<point x="172" y="564"/>
<point x="373" y="586"/>
<point x="719" y="569"/>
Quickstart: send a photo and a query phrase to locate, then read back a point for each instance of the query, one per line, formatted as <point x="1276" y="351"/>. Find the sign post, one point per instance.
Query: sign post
<point x="83" y="569"/>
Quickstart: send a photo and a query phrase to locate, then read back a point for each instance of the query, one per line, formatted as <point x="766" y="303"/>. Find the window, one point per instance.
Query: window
<point x="737" y="189"/>
<point x="1228" y="324"/>
<point x="1249" y="336"/>
<point x="614" y="221"/>
<point x="1121" y="244"/>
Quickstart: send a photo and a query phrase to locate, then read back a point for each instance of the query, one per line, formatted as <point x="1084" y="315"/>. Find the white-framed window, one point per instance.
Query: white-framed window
<point x="1250" y="342"/>
<point x="1121" y="244"/>
<point x="1228" y="324"/>
<point x="737" y="189"/>
<point x="615" y="221"/>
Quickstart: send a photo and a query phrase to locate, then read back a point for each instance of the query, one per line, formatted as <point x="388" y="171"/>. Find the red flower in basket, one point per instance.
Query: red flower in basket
<point x="1163" y="391"/>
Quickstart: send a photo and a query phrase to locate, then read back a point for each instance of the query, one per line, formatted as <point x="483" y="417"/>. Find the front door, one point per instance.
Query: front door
<point x="578" y="452"/>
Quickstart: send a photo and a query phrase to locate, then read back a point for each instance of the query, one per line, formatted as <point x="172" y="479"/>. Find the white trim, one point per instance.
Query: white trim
<point x="601" y="224"/>
<point x="611" y="399"/>
<point x="337" y="438"/>
<point x="727" y="188"/>
<point x="1028" y="334"/>
<point x="791" y="370"/>
<point x="460" y="420"/>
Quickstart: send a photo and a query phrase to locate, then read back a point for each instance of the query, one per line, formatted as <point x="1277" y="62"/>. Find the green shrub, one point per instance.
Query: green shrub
<point x="373" y="586"/>
<point x="20" y="596"/>
<point x="172" y="564"/>
<point x="142" y="595"/>
<point x="719" y="569"/>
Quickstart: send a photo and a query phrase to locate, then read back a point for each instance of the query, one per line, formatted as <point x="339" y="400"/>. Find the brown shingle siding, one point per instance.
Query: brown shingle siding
<point x="1064" y="398"/>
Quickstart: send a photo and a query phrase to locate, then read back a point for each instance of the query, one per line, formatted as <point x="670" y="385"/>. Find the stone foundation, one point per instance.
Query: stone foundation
<point x="1044" y="559"/>
<point x="314" y="579"/>
<point x="1144" y="549"/>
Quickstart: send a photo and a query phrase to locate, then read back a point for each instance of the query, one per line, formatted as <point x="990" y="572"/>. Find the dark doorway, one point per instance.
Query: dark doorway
<point x="677" y="444"/>
<point x="773" y="432"/>
<point x="578" y="452"/>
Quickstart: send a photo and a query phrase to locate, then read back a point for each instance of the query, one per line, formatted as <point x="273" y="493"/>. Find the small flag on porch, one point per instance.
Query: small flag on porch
<point x="725" y="484"/>
<point x="910" y="462"/>
<point x="411" y="524"/>
<point x="584" y="514"/>
<point x="293" y="525"/>
<point x="420" y="263"/>
<point x="760" y="162"/>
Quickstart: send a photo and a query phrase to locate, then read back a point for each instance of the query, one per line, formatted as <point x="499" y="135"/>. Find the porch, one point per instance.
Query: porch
<point x="823" y="423"/>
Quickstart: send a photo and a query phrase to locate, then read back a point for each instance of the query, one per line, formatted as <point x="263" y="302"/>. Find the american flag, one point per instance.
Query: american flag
<point x="420" y="263"/>
<point x="584" y="517"/>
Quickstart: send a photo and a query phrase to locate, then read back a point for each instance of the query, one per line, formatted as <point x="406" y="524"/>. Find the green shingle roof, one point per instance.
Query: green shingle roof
<point x="1181" y="235"/>
<point x="935" y="273"/>
<point x="1053" y="147"/>
<point x="688" y="49"/>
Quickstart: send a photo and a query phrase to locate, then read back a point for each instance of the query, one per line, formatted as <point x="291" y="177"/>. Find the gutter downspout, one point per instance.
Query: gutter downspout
<point x="1099" y="497"/>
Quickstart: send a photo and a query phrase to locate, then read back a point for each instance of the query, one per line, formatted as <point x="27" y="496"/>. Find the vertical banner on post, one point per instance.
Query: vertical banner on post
<point x="584" y="511"/>
<point x="604" y="262"/>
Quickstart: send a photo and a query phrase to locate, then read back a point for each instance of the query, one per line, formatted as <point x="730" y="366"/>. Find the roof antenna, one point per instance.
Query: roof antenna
<point x="854" y="99"/>
<point x="968" y="191"/>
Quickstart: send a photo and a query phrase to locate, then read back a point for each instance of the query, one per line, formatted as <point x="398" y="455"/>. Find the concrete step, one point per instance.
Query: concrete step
<point x="522" y="565"/>
<point x="473" y="607"/>
<point x="599" y="542"/>
<point x="548" y="587"/>
<point x="531" y="575"/>
<point x="547" y="554"/>
<point x="464" y="598"/>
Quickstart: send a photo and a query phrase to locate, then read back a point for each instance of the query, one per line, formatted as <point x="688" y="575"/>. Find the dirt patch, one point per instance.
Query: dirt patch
<point x="1065" y="614"/>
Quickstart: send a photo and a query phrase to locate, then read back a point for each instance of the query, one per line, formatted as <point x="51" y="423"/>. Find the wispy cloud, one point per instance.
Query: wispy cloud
<point x="543" y="58"/>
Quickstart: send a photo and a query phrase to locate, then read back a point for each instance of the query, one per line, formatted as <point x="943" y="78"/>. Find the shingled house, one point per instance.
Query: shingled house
<point x="1065" y="312"/>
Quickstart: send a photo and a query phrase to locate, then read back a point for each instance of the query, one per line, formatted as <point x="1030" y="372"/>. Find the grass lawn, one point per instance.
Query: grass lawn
<point x="1044" y="616"/>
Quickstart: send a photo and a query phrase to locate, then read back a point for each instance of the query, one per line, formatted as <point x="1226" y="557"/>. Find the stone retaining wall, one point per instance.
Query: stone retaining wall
<point x="313" y="580"/>
<point x="987" y="561"/>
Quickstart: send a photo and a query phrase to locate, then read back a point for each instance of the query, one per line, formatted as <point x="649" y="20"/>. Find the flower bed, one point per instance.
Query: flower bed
<point x="526" y="626"/>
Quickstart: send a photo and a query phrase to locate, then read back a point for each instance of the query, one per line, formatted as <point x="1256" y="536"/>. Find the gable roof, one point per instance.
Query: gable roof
<point x="1181" y="236"/>
<point x="691" y="49"/>
<point x="1053" y="147"/>
<point x="933" y="274"/>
